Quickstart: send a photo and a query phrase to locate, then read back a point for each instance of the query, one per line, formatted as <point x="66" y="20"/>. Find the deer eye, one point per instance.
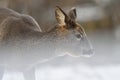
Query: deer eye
<point x="78" y="36"/>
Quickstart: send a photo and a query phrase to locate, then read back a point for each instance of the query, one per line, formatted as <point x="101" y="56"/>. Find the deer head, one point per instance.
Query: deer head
<point x="72" y="37"/>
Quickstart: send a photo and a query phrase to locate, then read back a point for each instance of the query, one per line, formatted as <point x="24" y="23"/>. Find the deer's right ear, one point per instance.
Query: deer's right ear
<point x="73" y="14"/>
<point x="61" y="16"/>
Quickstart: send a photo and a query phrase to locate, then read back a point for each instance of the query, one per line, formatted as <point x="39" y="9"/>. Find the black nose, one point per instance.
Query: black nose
<point x="88" y="53"/>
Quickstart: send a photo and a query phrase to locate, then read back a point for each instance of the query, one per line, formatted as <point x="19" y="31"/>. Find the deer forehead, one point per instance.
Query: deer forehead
<point x="62" y="30"/>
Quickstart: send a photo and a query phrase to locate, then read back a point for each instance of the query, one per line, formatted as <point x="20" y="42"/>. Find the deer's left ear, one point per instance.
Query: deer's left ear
<point x="73" y="14"/>
<point x="61" y="16"/>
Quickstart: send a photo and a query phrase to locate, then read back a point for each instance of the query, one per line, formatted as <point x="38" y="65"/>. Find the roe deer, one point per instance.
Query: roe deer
<point x="23" y="47"/>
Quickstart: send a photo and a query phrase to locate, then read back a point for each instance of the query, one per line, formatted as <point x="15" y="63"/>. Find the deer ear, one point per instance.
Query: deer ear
<point x="61" y="16"/>
<point x="73" y="14"/>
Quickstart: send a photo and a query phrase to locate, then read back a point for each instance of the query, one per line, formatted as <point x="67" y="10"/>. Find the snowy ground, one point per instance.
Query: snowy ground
<point x="80" y="72"/>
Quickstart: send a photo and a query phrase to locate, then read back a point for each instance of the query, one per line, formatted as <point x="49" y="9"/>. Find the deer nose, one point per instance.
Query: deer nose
<point x="87" y="53"/>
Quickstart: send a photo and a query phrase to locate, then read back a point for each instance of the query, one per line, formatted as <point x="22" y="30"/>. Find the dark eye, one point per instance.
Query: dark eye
<point x="78" y="36"/>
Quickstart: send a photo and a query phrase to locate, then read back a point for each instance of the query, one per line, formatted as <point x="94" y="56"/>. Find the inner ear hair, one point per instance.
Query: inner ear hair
<point x="73" y="14"/>
<point x="61" y="16"/>
<point x="61" y="10"/>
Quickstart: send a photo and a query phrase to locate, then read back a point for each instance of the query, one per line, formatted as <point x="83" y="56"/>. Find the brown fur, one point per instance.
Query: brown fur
<point x="15" y="24"/>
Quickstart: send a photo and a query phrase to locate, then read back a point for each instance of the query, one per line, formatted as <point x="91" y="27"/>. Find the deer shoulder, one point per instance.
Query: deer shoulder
<point x="13" y="23"/>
